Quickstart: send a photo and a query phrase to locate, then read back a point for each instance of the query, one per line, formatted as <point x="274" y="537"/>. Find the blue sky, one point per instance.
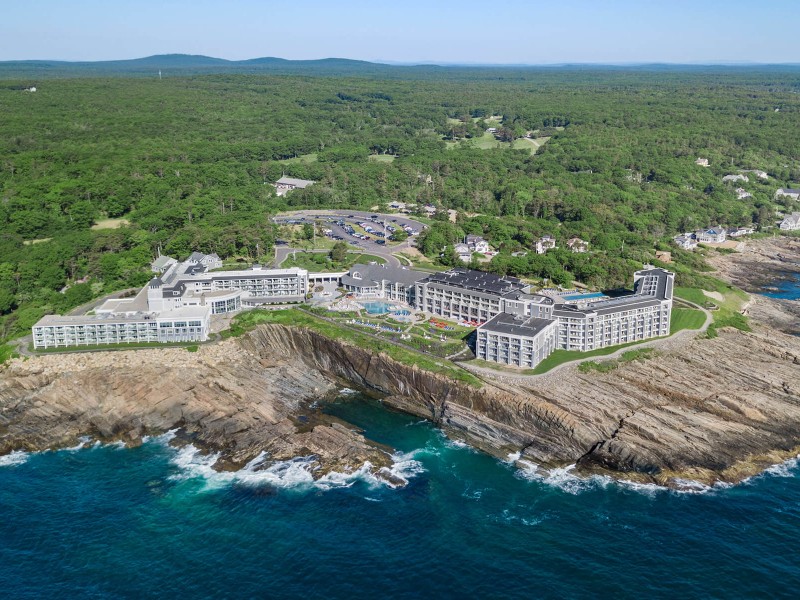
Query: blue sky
<point x="467" y="31"/>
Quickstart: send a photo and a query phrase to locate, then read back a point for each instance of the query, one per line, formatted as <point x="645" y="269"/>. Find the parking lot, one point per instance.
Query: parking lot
<point x="368" y="230"/>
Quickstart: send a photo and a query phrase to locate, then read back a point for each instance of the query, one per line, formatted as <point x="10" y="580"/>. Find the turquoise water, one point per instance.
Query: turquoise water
<point x="155" y="521"/>
<point x="584" y="296"/>
<point x="788" y="289"/>
<point x="377" y="308"/>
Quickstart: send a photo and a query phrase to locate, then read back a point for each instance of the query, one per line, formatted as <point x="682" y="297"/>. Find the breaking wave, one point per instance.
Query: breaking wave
<point x="297" y="473"/>
<point x="17" y="457"/>
<point x="565" y="480"/>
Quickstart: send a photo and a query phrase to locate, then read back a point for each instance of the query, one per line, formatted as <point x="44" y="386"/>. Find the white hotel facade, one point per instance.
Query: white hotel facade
<point x="175" y="306"/>
<point x="524" y="339"/>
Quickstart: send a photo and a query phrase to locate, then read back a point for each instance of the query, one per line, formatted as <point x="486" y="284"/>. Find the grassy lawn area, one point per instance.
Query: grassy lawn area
<point x="486" y="142"/>
<point x="728" y="313"/>
<point x="320" y="261"/>
<point x="604" y="366"/>
<point x="299" y="318"/>
<point x="7" y="352"/>
<point x="559" y="357"/>
<point x="383" y="158"/>
<point x="686" y="318"/>
<point x="190" y="346"/>
<point x="110" y="224"/>
<point x="529" y="144"/>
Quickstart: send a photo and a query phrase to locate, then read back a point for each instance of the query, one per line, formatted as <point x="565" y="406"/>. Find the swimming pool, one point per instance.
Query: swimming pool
<point x="584" y="296"/>
<point x="377" y="308"/>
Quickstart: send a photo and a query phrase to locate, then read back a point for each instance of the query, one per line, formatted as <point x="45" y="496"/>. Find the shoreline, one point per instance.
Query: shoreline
<point x="650" y="422"/>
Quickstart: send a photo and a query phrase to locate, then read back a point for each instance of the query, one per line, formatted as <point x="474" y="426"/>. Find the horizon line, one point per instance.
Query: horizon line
<point x="427" y="62"/>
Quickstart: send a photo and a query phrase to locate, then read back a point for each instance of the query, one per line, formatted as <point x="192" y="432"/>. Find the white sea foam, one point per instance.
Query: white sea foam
<point x="17" y="457"/>
<point x="297" y="473"/>
<point x="562" y="478"/>
<point x="164" y="438"/>
<point x="565" y="480"/>
<point x="787" y="468"/>
<point x="513" y="457"/>
<point x="347" y="391"/>
<point x="82" y="443"/>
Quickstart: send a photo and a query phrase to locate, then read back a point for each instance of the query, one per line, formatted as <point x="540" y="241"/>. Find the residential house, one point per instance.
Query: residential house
<point x="162" y="263"/>
<point x="545" y="243"/>
<point x="703" y="162"/>
<point x="209" y="261"/>
<point x="477" y="244"/>
<point x="790" y="192"/>
<point x="759" y="174"/>
<point x="791" y="222"/>
<point x="463" y="252"/>
<point x="737" y="177"/>
<point x="713" y="235"/>
<point x="687" y="241"/>
<point x="287" y="184"/>
<point x="578" y="245"/>
<point x="736" y="232"/>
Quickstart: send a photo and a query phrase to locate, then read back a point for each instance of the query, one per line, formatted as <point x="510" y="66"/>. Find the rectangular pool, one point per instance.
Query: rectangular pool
<point x="595" y="295"/>
<point x="377" y="308"/>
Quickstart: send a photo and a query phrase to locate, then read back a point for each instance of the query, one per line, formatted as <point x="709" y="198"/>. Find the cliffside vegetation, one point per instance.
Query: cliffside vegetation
<point x="300" y="318"/>
<point x="187" y="162"/>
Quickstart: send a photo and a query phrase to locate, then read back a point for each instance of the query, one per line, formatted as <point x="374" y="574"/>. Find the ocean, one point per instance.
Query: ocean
<point x="104" y="521"/>
<point x="787" y="289"/>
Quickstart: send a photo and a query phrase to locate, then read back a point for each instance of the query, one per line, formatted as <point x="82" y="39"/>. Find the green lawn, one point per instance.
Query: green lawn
<point x="191" y="346"/>
<point x="529" y="144"/>
<point x="300" y="318"/>
<point x="7" y="352"/>
<point x="110" y="224"/>
<point x="686" y="318"/>
<point x="383" y="158"/>
<point x="320" y="261"/>
<point x="559" y="357"/>
<point x="729" y="309"/>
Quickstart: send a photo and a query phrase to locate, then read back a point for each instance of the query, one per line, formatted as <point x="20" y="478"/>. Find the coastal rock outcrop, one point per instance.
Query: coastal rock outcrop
<point x="711" y="410"/>
<point x="221" y="398"/>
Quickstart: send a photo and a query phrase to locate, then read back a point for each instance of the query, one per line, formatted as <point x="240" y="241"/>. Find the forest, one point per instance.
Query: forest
<point x="99" y="173"/>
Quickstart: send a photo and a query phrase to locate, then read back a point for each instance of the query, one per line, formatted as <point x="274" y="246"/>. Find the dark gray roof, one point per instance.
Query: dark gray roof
<point x="606" y="307"/>
<point x="162" y="261"/>
<point x="373" y="274"/>
<point x="477" y="281"/>
<point x="300" y="183"/>
<point x="517" y="325"/>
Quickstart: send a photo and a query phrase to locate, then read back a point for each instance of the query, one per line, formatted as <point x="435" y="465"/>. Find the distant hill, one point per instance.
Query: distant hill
<point x="185" y="64"/>
<point x="182" y="65"/>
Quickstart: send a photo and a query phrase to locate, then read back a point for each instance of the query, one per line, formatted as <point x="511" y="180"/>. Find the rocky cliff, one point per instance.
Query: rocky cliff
<point x="707" y="409"/>
<point x="714" y="409"/>
<point x="220" y="397"/>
